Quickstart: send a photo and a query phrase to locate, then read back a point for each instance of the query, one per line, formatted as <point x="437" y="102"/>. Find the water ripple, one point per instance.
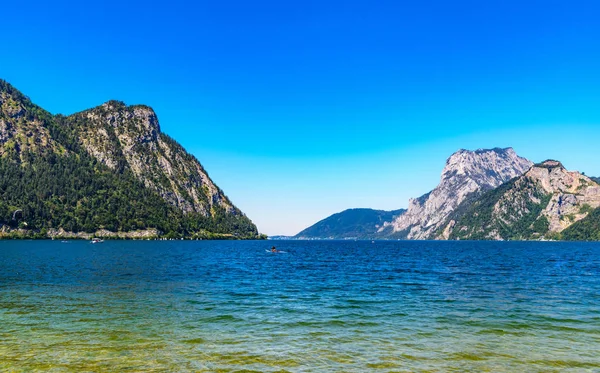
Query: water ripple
<point x="321" y="307"/>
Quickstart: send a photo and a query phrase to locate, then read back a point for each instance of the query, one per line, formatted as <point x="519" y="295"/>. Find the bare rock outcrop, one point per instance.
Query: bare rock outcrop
<point x="540" y="204"/>
<point x="572" y="194"/>
<point x="467" y="173"/>
<point x="115" y="132"/>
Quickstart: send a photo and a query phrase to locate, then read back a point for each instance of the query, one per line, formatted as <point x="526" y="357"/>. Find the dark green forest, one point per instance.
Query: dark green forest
<point x="80" y="195"/>
<point x="587" y="229"/>
<point x="520" y="223"/>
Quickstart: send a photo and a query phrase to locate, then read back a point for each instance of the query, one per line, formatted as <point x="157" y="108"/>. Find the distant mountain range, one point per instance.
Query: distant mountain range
<point x="487" y="194"/>
<point x="107" y="171"/>
<point x="351" y="223"/>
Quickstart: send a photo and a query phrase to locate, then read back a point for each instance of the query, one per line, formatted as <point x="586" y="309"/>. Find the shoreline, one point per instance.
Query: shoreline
<point x="142" y="235"/>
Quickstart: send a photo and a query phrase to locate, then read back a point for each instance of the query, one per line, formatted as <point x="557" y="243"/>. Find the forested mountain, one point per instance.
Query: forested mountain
<point x="103" y="171"/>
<point x="547" y="202"/>
<point x="484" y="195"/>
<point x="466" y="175"/>
<point x="351" y="223"/>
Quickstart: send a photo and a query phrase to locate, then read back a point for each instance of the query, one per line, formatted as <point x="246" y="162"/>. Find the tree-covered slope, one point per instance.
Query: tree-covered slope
<point x="351" y="223"/>
<point x="509" y="212"/>
<point x="51" y="179"/>
<point x="586" y="229"/>
<point x="129" y="138"/>
<point x="467" y="174"/>
<point x="545" y="203"/>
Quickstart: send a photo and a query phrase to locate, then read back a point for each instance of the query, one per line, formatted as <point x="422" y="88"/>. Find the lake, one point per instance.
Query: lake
<point x="322" y="306"/>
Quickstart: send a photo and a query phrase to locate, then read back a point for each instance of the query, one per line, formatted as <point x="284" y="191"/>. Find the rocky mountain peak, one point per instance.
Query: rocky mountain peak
<point x="555" y="178"/>
<point x="106" y="168"/>
<point x="466" y="173"/>
<point x="137" y="119"/>
<point x="114" y="132"/>
<point x="484" y="166"/>
<point x="550" y="164"/>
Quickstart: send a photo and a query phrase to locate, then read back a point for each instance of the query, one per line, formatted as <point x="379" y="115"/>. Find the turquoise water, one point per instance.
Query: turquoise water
<point x="323" y="306"/>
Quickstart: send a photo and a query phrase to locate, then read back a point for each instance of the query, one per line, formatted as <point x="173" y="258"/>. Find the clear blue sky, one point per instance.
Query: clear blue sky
<point x="300" y="109"/>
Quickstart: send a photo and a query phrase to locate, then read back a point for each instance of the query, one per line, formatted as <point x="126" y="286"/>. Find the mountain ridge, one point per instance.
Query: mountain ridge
<point x="505" y="199"/>
<point x="466" y="175"/>
<point x="107" y="170"/>
<point x="154" y="158"/>
<point x="540" y="204"/>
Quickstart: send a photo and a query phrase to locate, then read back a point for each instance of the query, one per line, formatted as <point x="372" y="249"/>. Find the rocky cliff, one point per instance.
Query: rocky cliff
<point x="129" y="137"/>
<point x="467" y="174"/>
<point x="107" y="169"/>
<point x="542" y="203"/>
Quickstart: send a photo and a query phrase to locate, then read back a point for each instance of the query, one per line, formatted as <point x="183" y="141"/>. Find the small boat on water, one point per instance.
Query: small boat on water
<point x="96" y="240"/>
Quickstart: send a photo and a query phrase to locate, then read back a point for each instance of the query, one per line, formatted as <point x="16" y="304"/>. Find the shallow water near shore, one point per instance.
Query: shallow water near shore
<point x="323" y="306"/>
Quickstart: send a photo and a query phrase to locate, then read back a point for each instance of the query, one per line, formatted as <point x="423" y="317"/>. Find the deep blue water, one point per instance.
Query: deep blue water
<point x="323" y="306"/>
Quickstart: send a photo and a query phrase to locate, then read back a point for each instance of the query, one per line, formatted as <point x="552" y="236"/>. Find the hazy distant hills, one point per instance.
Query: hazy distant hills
<point x="353" y="223"/>
<point x="487" y="194"/>
<point x="107" y="171"/>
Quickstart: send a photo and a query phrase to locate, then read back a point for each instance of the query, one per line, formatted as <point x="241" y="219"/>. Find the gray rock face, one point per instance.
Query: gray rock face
<point x="540" y="204"/>
<point x="466" y="172"/>
<point x="114" y="133"/>
<point x="569" y="191"/>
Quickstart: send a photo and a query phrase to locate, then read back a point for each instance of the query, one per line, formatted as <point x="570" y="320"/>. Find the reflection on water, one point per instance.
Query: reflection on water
<point x="320" y="307"/>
